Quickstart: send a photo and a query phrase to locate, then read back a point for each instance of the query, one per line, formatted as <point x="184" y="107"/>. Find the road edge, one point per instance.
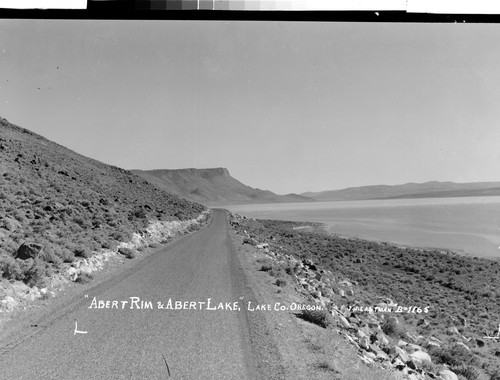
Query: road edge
<point x="265" y="361"/>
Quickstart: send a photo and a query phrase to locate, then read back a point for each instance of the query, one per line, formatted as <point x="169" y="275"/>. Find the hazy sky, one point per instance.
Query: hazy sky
<point x="285" y="106"/>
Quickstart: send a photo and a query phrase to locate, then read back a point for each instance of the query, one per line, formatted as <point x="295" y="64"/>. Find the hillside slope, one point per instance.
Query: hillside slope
<point x="65" y="204"/>
<point x="212" y="187"/>
<point x="432" y="189"/>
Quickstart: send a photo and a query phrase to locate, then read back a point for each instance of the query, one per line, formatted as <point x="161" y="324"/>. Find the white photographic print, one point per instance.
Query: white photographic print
<point x="223" y="199"/>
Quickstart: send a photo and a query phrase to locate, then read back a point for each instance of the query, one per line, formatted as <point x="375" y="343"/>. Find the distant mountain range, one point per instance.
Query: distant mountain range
<point x="213" y="187"/>
<point x="409" y="190"/>
<point x="216" y="186"/>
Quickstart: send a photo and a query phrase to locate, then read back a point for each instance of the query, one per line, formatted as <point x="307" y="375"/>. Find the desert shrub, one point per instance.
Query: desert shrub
<point x="263" y="260"/>
<point x="396" y="330"/>
<point x="82" y="251"/>
<point x="153" y="245"/>
<point x="277" y="271"/>
<point x="266" y="267"/>
<point x="81" y="221"/>
<point x="65" y="254"/>
<point x="57" y="187"/>
<point x="22" y="193"/>
<point x="453" y="356"/>
<point x="249" y="241"/>
<point x="39" y="227"/>
<point x="109" y="244"/>
<point x="281" y="282"/>
<point x="75" y="228"/>
<point x="97" y="222"/>
<point x="9" y="268"/>
<point x="267" y="264"/>
<point x="17" y="236"/>
<point x="325" y="366"/>
<point x="495" y="375"/>
<point x="10" y="247"/>
<point x="119" y="236"/>
<point x="467" y="371"/>
<point x="430" y="367"/>
<point x="318" y="317"/>
<point x="84" y="278"/>
<point x="92" y="245"/>
<point x="127" y="252"/>
<point x="138" y="214"/>
<point x="19" y="216"/>
<point x="35" y="273"/>
<point x="50" y="256"/>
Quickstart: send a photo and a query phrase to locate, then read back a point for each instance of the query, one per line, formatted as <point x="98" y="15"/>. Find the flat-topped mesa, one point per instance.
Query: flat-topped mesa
<point x="214" y="186"/>
<point x="215" y="172"/>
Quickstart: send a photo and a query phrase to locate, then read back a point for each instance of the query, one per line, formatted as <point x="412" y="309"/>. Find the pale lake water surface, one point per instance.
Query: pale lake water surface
<point x="467" y="225"/>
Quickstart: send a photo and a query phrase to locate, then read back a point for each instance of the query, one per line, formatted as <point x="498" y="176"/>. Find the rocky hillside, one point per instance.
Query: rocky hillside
<point x="56" y="204"/>
<point x="432" y="189"/>
<point x="212" y="187"/>
<point x="423" y="314"/>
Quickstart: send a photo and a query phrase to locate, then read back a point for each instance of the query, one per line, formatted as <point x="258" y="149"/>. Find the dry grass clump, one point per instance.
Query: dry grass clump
<point x="290" y="270"/>
<point x="459" y="359"/>
<point x="495" y="375"/>
<point x="273" y="269"/>
<point x="318" y="317"/>
<point x="84" y="278"/>
<point x="249" y="241"/>
<point x="281" y="282"/>
<point x="267" y="264"/>
<point x="468" y="372"/>
<point x="453" y="355"/>
<point x="127" y="252"/>
<point x="431" y="367"/>
<point x="266" y="267"/>
<point x="396" y="330"/>
<point x="109" y="244"/>
<point x="82" y="251"/>
<point x="277" y="271"/>
<point x="33" y="272"/>
<point x="326" y="366"/>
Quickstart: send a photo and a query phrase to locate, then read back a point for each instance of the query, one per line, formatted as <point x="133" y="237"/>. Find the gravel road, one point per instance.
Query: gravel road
<point x="118" y="330"/>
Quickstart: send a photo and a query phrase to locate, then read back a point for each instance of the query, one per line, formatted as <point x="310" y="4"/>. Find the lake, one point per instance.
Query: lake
<point x="467" y="225"/>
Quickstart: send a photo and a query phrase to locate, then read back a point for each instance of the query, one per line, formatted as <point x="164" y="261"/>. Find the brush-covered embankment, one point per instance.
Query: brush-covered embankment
<point x="65" y="214"/>
<point x="422" y="314"/>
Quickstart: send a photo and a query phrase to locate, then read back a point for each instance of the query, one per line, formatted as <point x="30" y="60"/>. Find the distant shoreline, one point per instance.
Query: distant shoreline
<point x="322" y="228"/>
<point x="464" y="226"/>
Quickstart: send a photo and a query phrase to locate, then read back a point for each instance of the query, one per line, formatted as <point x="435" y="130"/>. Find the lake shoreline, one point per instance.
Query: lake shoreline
<point x="466" y="226"/>
<point x="322" y="228"/>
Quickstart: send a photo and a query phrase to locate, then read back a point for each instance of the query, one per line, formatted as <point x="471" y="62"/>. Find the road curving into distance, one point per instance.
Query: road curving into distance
<point x="118" y="330"/>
